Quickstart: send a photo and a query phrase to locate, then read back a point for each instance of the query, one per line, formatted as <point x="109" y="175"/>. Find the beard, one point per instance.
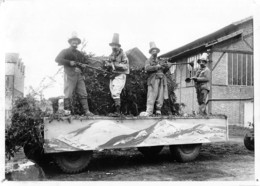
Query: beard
<point x="74" y="47"/>
<point x="114" y="49"/>
<point x="202" y="66"/>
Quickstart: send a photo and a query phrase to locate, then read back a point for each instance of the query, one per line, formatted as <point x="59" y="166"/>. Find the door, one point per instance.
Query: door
<point x="248" y="113"/>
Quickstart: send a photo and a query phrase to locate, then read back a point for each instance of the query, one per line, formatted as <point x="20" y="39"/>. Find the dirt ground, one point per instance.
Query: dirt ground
<point x="219" y="161"/>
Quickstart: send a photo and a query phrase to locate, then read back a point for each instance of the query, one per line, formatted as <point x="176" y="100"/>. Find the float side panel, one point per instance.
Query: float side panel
<point x="97" y="134"/>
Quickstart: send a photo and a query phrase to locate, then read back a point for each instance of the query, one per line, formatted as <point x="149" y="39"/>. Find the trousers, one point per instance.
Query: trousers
<point x="72" y="82"/>
<point x="202" y="95"/>
<point x="116" y="85"/>
<point x="155" y="94"/>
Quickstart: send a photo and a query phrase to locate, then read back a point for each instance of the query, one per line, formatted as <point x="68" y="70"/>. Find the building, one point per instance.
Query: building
<point x="14" y="80"/>
<point x="230" y="52"/>
<point x="136" y="58"/>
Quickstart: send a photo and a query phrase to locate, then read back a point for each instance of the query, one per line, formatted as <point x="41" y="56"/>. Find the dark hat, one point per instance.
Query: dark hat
<point x="115" y="40"/>
<point x="153" y="46"/>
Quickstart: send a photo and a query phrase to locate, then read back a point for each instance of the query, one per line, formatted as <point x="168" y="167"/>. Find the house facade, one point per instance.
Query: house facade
<point x="14" y="80"/>
<point x="231" y="63"/>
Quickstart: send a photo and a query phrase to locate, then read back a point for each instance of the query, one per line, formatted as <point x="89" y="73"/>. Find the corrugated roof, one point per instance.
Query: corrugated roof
<point x="200" y="44"/>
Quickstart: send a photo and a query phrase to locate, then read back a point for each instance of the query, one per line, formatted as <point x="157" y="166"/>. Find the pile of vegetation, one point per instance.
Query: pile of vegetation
<point x="133" y="96"/>
<point x="26" y="128"/>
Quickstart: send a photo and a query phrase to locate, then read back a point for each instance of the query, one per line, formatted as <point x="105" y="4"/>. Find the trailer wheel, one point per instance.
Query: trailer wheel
<point x="36" y="154"/>
<point x="185" y="153"/>
<point x="73" y="162"/>
<point x="150" y="151"/>
<point x="249" y="141"/>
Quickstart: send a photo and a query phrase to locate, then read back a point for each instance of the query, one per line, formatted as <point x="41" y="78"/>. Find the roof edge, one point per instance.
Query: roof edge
<point x="203" y="40"/>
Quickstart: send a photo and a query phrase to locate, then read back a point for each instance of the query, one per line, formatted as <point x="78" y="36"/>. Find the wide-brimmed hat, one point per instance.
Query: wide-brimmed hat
<point x="153" y="46"/>
<point x="203" y="57"/>
<point x="115" y="40"/>
<point x="74" y="36"/>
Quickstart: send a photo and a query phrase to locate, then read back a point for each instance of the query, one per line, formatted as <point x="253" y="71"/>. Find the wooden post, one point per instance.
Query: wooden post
<point x="210" y="65"/>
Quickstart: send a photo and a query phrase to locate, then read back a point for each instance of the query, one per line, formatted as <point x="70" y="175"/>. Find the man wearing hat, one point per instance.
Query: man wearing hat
<point x="73" y="78"/>
<point x="202" y="83"/>
<point x="157" y="82"/>
<point x="119" y="65"/>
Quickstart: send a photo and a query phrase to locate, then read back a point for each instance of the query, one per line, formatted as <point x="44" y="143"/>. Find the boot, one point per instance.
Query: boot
<point x="55" y="105"/>
<point x="67" y="106"/>
<point x="158" y="113"/>
<point x="145" y="114"/>
<point x="84" y="103"/>
<point x="202" y="110"/>
<point x="117" y="112"/>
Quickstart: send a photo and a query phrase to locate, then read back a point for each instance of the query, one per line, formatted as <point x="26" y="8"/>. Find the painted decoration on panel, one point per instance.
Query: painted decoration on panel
<point x="107" y="134"/>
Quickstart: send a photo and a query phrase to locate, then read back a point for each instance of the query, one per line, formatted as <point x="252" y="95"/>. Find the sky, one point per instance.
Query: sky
<point x="39" y="29"/>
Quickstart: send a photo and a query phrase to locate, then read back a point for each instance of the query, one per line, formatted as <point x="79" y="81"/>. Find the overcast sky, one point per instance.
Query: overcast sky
<point x="38" y="29"/>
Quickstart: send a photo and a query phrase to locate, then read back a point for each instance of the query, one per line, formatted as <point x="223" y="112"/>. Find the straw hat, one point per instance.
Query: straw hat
<point x="74" y="36"/>
<point x="203" y="57"/>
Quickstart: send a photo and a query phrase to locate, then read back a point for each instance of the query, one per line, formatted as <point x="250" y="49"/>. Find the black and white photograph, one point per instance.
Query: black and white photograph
<point x="120" y="91"/>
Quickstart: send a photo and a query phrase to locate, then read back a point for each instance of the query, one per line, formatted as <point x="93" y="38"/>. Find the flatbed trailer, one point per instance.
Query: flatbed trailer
<point x="72" y="140"/>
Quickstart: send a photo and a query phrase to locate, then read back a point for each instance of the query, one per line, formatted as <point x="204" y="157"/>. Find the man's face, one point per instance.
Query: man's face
<point x="115" y="48"/>
<point x="74" y="43"/>
<point x="202" y="63"/>
<point x="154" y="53"/>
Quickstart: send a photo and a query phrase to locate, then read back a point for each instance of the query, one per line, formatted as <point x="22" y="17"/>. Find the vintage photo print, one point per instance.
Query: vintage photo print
<point x="119" y="90"/>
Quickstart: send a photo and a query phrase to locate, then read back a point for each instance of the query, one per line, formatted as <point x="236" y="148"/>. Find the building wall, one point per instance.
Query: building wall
<point x="184" y="93"/>
<point x="220" y="72"/>
<point x="187" y="96"/>
<point x="234" y="109"/>
<point x="14" y="81"/>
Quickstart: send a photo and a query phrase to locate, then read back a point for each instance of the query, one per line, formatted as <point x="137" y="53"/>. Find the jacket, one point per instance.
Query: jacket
<point x="156" y="73"/>
<point x="203" y="78"/>
<point x="67" y="55"/>
<point x="121" y="62"/>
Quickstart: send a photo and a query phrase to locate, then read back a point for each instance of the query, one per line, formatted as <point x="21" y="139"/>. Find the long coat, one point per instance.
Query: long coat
<point x="154" y="73"/>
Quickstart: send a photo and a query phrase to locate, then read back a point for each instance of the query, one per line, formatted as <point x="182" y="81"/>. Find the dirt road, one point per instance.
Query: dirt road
<point x="220" y="161"/>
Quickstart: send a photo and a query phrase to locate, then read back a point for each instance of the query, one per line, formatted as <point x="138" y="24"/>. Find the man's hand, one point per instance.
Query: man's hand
<point x="194" y="78"/>
<point x="72" y="63"/>
<point x="77" y="70"/>
<point x="106" y="63"/>
<point x="158" y="66"/>
<point x="83" y="65"/>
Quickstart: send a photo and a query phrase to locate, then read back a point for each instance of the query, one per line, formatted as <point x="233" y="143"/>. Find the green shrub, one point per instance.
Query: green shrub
<point x="26" y="126"/>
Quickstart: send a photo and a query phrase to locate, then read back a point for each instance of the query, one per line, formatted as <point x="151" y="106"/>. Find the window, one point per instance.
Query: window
<point x="240" y="69"/>
<point x="9" y="81"/>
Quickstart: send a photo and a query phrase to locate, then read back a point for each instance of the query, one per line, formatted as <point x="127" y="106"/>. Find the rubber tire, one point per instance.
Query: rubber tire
<point x="185" y="153"/>
<point x="36" y="154"/>
<point x="249" y="144"/>
<point x="150" y="151"/>
<point x="73" y="162"/>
